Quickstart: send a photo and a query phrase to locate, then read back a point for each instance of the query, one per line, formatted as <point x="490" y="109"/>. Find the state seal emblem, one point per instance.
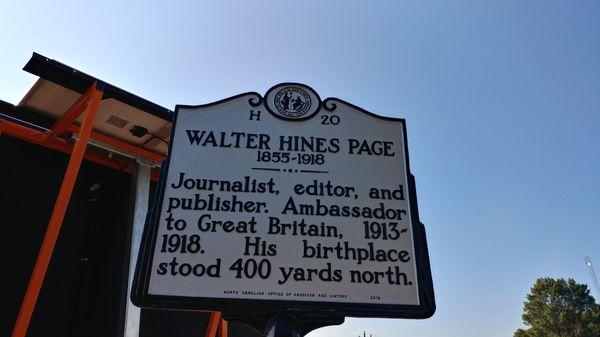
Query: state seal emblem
<point x="292" y="101"/>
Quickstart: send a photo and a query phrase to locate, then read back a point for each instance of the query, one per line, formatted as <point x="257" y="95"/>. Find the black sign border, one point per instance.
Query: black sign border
<point x="258" y="307"/>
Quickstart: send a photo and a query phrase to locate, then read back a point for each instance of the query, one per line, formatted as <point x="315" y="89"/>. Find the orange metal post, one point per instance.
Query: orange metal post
<point x="213" y="324"/>
<point x="74" y="111"/>
<point x="223" y="328"/>
<point x="58" y="214"/>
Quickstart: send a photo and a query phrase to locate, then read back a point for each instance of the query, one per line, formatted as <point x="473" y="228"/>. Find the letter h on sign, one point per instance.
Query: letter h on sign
<point x="254" y="114"/>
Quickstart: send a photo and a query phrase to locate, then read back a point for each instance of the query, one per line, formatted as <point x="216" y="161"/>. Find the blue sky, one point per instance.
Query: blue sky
<point x="502" y="102"/>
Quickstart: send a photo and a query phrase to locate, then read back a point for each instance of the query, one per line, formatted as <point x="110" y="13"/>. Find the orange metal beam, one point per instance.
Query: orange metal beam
<point x="58" y="144"/>
<point x="120" y="144"/>
<point x="154" y="175"/>
<point x="60" y="126"/>
<point x="223" y="328"/>
<point x="50" y="141"/>
<point x="56" y="219"/>
<point x="65" y="123"/>
<point x="213" y="324"/>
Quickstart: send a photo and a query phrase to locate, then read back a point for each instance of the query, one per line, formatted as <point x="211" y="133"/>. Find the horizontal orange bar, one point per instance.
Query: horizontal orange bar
<point x="48" y="140"/>
<point x="121" y="144"/>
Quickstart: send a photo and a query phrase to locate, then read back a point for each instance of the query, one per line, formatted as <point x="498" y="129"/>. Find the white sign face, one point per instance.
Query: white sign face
<point x="285" y="198"/>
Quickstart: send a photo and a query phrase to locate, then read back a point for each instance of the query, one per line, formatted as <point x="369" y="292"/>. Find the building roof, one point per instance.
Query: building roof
<point x="79" y="81"/>
<point x="59" y="86"/>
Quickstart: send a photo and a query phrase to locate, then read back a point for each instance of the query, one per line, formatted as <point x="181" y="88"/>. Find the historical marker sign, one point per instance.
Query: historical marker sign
<point x="286" y="202"/>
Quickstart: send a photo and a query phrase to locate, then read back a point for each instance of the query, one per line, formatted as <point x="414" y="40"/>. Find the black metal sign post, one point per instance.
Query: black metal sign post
<point x="285" y="323"/>
<point x="287" y="213"/>
<point x="282" y="326"/>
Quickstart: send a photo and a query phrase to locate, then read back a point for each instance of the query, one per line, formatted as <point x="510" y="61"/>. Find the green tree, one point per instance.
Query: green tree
<point x="559" y="308"/>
